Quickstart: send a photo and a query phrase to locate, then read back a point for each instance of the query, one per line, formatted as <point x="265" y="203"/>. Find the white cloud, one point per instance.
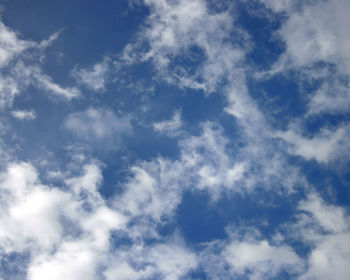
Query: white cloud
<point x="278" y="5"/>
<point x="153" y="191"/>
<point x="90" y="179"/>
<point x="11" y="45"/>
<point x="173" y="28"/>
<point x="330" y="259"/>
<point x="155" y="188"/>
<point x="317" y="32"/>
<point x="78" y="222"/>
<point x="33" y="75"/>
<point x="332" y="97"/>
<point x="65" y="230"/>
<point x="44" y="82"/>
<point x="22" y="76"/>
<point x="323" y="147"/>
<point x="330" y="218"/>
<point x="170" y="127"/>
<point x="24" y="114"/>
<point x="323" y="229"/>
<point x="99" y="125"/>
<point x="29" y="211"/>
<point x="317" y="49"/>
<point x="17" y="75"/>
<point x="260" y="260"/>
<point x="9" y="88"/>
<point x="326" y="228"/>
<point x="168" y="261"/>
<point x="72" y="261"/>
<point x="167" y="257"/>
<point x="206" y="158"/>
<point x="94" y="78"/>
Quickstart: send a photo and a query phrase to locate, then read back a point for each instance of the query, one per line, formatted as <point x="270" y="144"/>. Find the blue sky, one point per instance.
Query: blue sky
<point x="174" y="139"/>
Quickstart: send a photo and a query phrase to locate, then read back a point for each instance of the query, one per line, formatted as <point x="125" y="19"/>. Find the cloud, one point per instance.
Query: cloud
<point x="323" y="228"/>
<point x="330" y="259"/>
<point x="153" y="191"/>
<point x="312" y="36"/>
<point x="247" y="254"/>
<point x="20" y="67"/>
<point x="326" y="228"/>
<point x="331" y="218"/>
<point x="90" y="179"/>
<point x="94" y="78"/>
<point x="9" y="88"/>
<point x="65" y="230"/>
<point x="33" y="75"/>
<point x="205" y="162"/>
<point x="207" y="159"/>
<point x="173" y="28"/>
<point x="317" y="49"/>
<point x="73" y="260"/>
<point x="29" y="210"/>
<point x="169" y="261"/>
<point x="323" y="147"/>
<point x="99" y="126"/>
<point x="11" y="45"/>
<point x="333" y="97"/>
<point x="210" y="41"/>
<point x="24" y="114"/>
<point x="170" y="127"/>
<point x="279" y="5"/>
<point x="260" y="260"/>
<point x="68" y="230"/>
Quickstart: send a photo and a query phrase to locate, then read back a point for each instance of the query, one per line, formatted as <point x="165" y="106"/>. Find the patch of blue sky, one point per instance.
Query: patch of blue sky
<point x="266" y="47"/>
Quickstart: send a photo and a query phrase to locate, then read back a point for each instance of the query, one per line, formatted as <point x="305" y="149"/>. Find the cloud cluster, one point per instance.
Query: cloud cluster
<point x="68" y="230"/>
<point x="316" y="54"/>
<point x="191" y="31"/>
<point x="65" y="229"/>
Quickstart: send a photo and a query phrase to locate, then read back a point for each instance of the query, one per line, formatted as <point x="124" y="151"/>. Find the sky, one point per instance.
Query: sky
<point x="174" y="139"/>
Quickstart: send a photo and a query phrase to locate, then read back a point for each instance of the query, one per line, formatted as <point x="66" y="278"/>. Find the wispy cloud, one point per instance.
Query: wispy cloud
<point x="94" y="78"/>
<point x="171" y="127"/>
<point x="324" y="147"/>
<point x="100" y="126"/>
<point x="20" y="68"/>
